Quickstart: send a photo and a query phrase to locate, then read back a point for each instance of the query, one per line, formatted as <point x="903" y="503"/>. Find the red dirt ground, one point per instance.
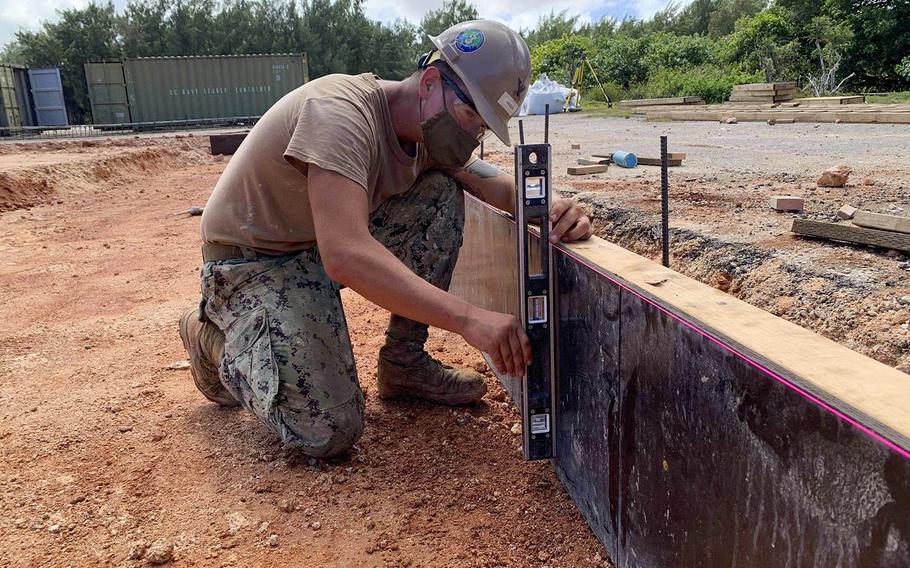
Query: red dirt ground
<point x="107" y="450"/>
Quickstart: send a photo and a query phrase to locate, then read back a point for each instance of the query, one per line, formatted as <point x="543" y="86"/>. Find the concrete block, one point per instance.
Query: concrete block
<point x="846" y="212"/>
<point x="786" y="203"/>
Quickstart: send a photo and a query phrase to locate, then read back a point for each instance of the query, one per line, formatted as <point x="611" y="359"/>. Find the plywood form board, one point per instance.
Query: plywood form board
<point x="697" y="430"/>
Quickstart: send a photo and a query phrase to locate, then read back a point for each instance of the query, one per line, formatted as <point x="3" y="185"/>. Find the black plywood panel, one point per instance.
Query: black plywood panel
<point x="680" y="453"/>
<point x="722" y="465"/>
<point x="587" y="432"/>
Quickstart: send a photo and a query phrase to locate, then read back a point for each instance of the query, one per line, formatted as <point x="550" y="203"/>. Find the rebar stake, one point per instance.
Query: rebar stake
<point x="665" y="202"/>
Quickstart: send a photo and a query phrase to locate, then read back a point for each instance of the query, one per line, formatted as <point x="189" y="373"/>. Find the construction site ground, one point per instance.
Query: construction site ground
<point x="111" y="457"/>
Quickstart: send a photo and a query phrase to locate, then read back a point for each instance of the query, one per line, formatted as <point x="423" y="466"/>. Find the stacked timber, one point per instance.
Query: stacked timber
<point x="764" y="93"/>
<point x="832" y="101"/>
<point x="671" y="101"/>
<point x="783" y="113"/>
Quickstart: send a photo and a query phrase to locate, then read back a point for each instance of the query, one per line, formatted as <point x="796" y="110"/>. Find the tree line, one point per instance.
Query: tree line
<point x="336" y="36"/>
<point x="706" y="47"/>
<point x="703" y="48"/>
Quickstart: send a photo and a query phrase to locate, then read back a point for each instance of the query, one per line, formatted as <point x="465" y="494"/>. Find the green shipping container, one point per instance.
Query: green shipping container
<point x="107" y="93"/>
<point x="158" y="89"/>
<point x="10" y="116"/>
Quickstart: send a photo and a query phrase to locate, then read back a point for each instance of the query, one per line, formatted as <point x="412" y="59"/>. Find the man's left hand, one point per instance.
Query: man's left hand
<point x="570" y="223"/>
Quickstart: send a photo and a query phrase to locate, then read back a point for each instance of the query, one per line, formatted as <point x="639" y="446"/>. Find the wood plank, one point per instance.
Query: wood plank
<point x="882" y="222"/>
<point x="584" y="170"/>
<point x="846" y="100"/>
<point x="592" y="161"/>
<point x="765" y="86"/>
<point x="656" y="162"/>
<point x="850" y="234"/>
<point x="662" y="101"/>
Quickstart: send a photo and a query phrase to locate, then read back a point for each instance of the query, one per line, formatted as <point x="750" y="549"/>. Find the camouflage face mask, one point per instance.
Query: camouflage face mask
<point x="447" y="143"/>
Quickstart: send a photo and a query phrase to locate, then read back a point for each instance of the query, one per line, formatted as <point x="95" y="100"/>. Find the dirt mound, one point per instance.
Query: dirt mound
<point x="31" y="174"/>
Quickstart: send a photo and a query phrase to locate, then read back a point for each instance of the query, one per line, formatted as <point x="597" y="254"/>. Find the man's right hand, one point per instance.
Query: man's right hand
<point x="502" y="338"/>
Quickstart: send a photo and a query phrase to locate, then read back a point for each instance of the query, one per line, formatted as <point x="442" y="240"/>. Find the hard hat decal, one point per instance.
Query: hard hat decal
<point x="508" y="103"/>
<point x="469" y="40"/>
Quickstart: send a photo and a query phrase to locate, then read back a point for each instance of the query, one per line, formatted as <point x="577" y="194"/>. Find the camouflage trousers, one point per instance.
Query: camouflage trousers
<point x="287" y="352"/>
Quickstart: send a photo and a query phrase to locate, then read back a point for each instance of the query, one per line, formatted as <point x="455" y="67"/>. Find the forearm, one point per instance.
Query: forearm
<point x="489" y="183"/>
<point x="372" y="271"/>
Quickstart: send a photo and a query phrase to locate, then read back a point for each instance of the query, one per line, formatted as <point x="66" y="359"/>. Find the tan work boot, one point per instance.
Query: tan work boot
<point x="204" y="343"/>
<point x="407" y="371"/>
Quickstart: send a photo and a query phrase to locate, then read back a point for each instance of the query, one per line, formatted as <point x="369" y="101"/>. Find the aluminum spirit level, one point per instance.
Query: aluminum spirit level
<point x="535" y="285"/>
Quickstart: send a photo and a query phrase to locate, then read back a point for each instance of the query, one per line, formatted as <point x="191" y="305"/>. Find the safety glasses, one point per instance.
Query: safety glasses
<point x="463" y="97"/>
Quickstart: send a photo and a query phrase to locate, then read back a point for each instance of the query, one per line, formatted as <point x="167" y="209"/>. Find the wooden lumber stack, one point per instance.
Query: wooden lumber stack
<point x="672" y="101"/>
<point x="832" y="101"/>
<point x="870" y="113"/>
<point x="763" y="93"/>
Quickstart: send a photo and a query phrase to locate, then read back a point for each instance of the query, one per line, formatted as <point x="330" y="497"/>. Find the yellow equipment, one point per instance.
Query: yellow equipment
<point x="578" y="78"/>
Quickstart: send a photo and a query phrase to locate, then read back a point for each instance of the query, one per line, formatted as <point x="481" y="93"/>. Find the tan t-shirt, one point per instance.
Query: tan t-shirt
<point x="340" y="123"/>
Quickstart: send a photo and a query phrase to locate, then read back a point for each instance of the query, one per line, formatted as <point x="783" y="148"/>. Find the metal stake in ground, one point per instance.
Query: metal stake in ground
<point x="546" y="123"/>
<point x="664" y="203"/>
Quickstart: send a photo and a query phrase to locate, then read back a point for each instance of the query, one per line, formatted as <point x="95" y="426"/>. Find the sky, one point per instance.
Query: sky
<point x="28" y="14"/>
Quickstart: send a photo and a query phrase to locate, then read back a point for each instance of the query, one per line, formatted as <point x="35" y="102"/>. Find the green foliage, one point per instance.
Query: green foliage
<point x="902" y="69"/>
<point x="902" y="97"/>
<point x="766" y="42"/>
<point x="711" y="82"/>
<point x="12" y="53"/>
<point x="559" y="58"/>
<point x="713" y="18"/>
<point x="620" y="59"/>
<point x="336" y="35"/>
<point x="614" y="91"/>
<point x="667" y="50"/>
<point x="81" y="35"/>
<point x="701" y="48"/>
<point x="881" y="40"/>
<point x="551" y="27"/>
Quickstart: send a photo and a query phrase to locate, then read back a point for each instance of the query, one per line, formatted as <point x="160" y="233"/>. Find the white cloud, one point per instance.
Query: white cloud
<point x="519" y="13"/>
<point x="22" y="14"/>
